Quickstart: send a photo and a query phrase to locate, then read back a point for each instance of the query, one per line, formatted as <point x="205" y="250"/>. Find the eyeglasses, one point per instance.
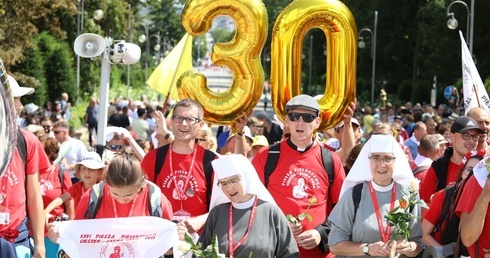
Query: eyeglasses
<point x="200" y="140"/>
<point x="467" y="136"/>
<point x="116" y="146"/>
<point x="386" y="159"/>
<point x="307" y="118"/>
<point x="188" y="119"/>
<point x="57" y="132"/>
<point x="230" y="182"/>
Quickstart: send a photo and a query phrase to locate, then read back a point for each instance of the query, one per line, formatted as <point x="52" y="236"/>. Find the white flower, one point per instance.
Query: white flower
<point x="184" y="247"/>
<point x="414" y="185"/>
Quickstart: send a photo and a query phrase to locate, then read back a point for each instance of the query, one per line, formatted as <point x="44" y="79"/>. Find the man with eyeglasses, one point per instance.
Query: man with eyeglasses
<point x="444" y="171"/>
<point x="77" y="151"/>
<point x="481" y="116"/>
<point x="183" y="161"/>
<point x="20" y="194"/>
<point x="300" y="160"/>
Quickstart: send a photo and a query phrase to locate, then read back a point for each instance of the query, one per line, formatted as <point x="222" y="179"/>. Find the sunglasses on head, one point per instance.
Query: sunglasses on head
<point x="116" y="146"/>
<point x="307" y="118"/>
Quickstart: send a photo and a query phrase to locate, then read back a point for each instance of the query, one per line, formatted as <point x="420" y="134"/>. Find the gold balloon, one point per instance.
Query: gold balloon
<point x="241" y="55"/>
<point x="8" y="123"/>
<point x="290" y="28"/>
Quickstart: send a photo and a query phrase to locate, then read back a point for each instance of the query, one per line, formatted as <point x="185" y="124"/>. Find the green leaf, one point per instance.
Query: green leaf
<point x="301" y="216"/>
<point x="309" y="217"/>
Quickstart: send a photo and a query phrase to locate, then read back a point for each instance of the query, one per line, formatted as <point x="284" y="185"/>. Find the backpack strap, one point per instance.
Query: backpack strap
<point x="208" y="172"/>
<point x="22" y="146"/>
<point x="154" y="200"/>
<point x="94" y="200"/>
<point x="328" y="165"/>
<point x="419" y="169"/>
<point x="271" y="162"/>
<point x="160" y="158"/>
<point x="448" y="196"/>
<point x="356" y="197"/>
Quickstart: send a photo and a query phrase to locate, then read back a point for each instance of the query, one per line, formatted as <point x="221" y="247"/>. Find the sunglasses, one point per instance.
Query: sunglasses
<point x="307" y="118"/>
<point x="115" y="146"/>
<point x="57" y="132"/>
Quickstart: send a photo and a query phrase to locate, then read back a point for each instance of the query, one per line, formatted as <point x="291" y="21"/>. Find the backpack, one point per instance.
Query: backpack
<point x="22" y="149"/>
<point x="273" y="157"/>
<point x="448" y="216"/>
<point x="208" y="168"/>
<point x="154" y="200"/>
<point x="417" y="170"/>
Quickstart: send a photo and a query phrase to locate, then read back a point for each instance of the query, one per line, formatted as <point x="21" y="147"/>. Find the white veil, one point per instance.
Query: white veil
<point x="237" y="164"/>
<point x="360" y="171"/>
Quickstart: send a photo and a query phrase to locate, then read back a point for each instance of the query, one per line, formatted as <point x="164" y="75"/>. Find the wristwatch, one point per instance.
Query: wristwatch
<point x="365" y="249"/>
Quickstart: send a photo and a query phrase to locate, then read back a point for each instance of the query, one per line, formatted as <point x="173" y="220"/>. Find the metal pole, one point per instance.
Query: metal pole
<point x="147" y="54"/>
<point x="310" y="64"/>
<point x="373" y="56"/>
<point x="105" y="75"/>
<point x="130" y="39"/>
<point x="79" y="32"/>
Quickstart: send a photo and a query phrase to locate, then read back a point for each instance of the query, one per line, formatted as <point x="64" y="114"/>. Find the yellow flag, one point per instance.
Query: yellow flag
<point x="164" y="78"/>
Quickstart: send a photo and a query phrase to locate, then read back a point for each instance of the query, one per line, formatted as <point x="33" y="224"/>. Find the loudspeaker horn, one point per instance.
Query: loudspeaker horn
<point x="125" y="53"/>
<point x="89" y="45"/>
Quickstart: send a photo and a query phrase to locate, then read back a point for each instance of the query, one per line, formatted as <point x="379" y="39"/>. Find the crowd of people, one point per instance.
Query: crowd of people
<point x="289" y="189"/>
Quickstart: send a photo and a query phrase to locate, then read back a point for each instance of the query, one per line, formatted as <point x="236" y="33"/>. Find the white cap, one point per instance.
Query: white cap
<point x="18" y="91"/>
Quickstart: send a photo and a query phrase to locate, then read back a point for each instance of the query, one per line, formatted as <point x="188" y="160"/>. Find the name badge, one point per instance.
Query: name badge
<point x="4" y="218"/>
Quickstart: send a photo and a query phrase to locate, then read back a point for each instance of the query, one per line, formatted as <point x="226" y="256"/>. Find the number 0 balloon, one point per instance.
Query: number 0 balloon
<point x="241" y="55"/>
<point x="338" y="24"/>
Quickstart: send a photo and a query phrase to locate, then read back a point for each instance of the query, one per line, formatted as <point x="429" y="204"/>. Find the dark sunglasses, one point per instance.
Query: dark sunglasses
<point x="115" y="147"/>
<point x="57" y="132"/>
<point x="307" y="118"/>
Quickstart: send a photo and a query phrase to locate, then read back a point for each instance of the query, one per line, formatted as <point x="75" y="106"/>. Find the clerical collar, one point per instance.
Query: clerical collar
<point x="244" y="205"/>
<point x="382" y="188"/>
<point x="299" y="149"/>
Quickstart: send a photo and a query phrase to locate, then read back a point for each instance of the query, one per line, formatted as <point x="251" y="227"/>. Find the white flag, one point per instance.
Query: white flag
<point x="474" y="92"/>
<point x="131" y="237"/>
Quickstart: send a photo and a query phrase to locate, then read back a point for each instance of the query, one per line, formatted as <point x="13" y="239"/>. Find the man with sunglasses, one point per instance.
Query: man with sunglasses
<point x="185" y="161"/>
<point x="300" y="160"/>
<point x="444" y="171"/>
<point x="78" y="148"/>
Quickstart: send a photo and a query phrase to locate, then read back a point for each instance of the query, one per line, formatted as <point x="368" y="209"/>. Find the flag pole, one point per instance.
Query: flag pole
<point x="476" y="95"/>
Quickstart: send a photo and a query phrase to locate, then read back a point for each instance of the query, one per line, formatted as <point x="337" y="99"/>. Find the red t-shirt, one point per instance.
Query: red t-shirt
<point x="13" y="181"/>
<point x="76" y="192"/>
<point x="429" y="185"/>
<point x="51" y="188"/>
<point x="471" y="192"/>
<point x="434" y="212"/>
<point x="298" y="177"/>
<point x="106" y="208"/>
<point x="195" y="205"/>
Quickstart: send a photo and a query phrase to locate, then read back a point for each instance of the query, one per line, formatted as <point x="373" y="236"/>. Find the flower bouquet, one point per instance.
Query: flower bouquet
<point x="211" y="251"/>
<point x="399" y="218"/>
<point x="304" y="215"/>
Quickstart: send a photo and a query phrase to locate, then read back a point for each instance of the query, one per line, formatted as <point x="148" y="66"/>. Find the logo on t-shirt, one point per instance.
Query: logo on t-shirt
<point x="118" y="250"/>
<point x="180" y="190"/>
<point x="302" y="182"/>
<point x="45" y="186"/>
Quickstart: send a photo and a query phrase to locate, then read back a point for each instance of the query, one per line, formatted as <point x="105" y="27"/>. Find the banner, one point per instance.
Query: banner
<point x="131" y="237"/>
<point x="474" y="92"/>
<point x="164" y="77"/>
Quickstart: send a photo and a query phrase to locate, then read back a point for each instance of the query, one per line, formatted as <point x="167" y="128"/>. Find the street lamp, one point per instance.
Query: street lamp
<point x="198" y="43"/>
<point x="452" y="23"/>
<point x="362" y="44"/>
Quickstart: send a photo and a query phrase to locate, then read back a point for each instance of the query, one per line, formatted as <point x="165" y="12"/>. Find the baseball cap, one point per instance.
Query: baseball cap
<point x="254" y="121"/>
<point x="247" y="134"/>
<point x="463" y="124"/>
<point x="441" y="139"/>
<point x="90" y="160"/>
<point x="260" y="140"/>
<point x="18" y="91"/>
<point x="303" y="101"/>
<point x="398" y="117"/>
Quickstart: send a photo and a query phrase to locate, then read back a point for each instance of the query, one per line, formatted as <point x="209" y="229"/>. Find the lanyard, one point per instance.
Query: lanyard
<point x="384" y="234"/>
<point x="130" y="211"/>
<point x="180" y="191"/>
<point x="230" y="228"/>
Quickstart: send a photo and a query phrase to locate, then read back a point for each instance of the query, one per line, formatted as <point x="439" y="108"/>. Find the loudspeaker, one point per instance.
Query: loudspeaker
<point x="125" y="53"/>
<point x="89" y="45"/>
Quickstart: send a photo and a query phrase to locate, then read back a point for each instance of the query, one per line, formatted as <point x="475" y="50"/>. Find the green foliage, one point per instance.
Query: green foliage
<point x="211" y="251"/>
